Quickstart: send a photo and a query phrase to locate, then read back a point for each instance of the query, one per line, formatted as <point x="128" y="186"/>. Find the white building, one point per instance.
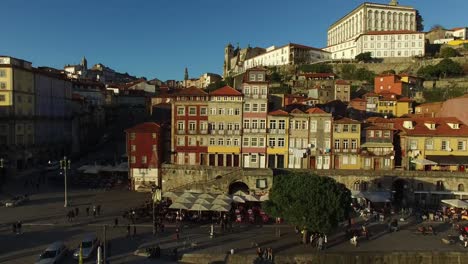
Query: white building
<point x="453" y="34"/>
<point x="349" y="35"/>
<point x="289" y="54"/>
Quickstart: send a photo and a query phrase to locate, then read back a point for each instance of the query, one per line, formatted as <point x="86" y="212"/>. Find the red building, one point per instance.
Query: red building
<point x="144" y="151"/>
<point x="388" y="84"/>
<point x="189" y="126"/>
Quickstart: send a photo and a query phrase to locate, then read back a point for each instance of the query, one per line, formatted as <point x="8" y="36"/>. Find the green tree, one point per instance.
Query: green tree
<point x="429" y="72"/>
<point x="348" y="71"/>
<point x="364" y="74"/>
<point x="448" y="52"/>
<point x="310" y="201"/>
<point x="364" y="57"/>
<point x="317" y="68"/>
<point x="280" y="90"/>
<point x="275" y="77"/>
<point x="419" y="22"/>
<point x="448" y="67"/>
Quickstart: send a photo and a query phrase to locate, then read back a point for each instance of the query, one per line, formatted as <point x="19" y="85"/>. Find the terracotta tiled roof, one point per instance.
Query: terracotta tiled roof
<point x="315" y="110"/>
<point x="342" y="82"/>
<point x="370" y="95"/>
<point x="147" y="127"/>
<point x="296" y="111"/>
<point x="226" y="91"/>
<point x="345" y="120"/>
<point x="405" y="99"/>
<point x="441" y="126"/>
<point x="278" y="112"/>
<point x="191" y="91"/>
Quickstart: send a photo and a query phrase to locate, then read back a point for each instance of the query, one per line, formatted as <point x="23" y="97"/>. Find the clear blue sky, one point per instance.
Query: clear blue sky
<point x="159" y="38"/>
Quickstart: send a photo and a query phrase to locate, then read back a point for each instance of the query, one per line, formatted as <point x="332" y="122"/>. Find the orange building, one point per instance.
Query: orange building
<point x="388" y="84"/>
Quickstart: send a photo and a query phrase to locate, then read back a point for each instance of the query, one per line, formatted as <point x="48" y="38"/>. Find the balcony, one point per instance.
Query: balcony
<point x="254" y="130"/>
<point x="255" y="96"/>
<point x="180" y="132"/>
<point x="221" y="132"/>
<point x="192" y="132"/>
<point x="262" y="130"/>
<point x="230" y="132"/>
<point x="237" y="132"/>
<point x="282" y="131"/>
<point x="246" y="130"/>
<point x="213" y="132"/>
<point x="204" y="132"/>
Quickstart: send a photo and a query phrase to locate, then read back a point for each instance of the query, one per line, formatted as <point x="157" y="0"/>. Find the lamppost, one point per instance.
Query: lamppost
<point x="156" y="197"/>
<point x="65" y="165"/>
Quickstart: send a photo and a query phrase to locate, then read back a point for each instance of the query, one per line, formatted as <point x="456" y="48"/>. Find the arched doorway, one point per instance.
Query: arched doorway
<point x="238" y="186"/>
<point x="399" y="188"/>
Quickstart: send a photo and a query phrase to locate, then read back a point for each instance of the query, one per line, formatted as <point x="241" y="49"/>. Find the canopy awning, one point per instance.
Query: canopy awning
<point x="375" y="197"/>
<point x="456" y="203"/>
<point x="449" y="160"/>
<point x="423" y="162"/>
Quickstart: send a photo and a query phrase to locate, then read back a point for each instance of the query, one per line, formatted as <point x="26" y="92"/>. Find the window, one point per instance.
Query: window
<point x="220" y="141"/>
<point x="280" y="142"/>
<point x="180" y="125"/>
<point x="336" y="128"/>
<point x="192" y="125"/>
<point x="345" y="143"/>
<point x="132" y="159"/>
<point x="221" y="126"/>
<point x="213" y="111"/>
<point x="246" y="90"/>
<point x="246" y="123"/>
<point x="203" y="126"/>
<point x="337" y="144"/>
<point x="212" y="141"/>
<point x="261" y="142"/>
<point x="345" y="128"/>
<point x="230" y="126"/>
<point x="354" y="128"/>
<point x="144" y="159"/>
<point x="254" y="107"/>
<point x="220" y="111"/>
<point x="259" y="77"/>
<point x="2" y="73"/>
<point x="262" y="107"/>
<point x="2" y="85"/>
<point x="272" y="124"/>
<point x="252" y="77"/>
<point x="2" y="98"/>
<point x="353" y="143"/>
<point x="236" y="126"/>
<point x="133" y="148"/>
<point x="440" y="186"/>
<point x="180" y="141"/>
<point x="445" y="145"/>
<point x="230" y="111"/>
<point x="247" y="108"/>
<point x="429" y="144"/>
<point x="281" y="124"/>
<point x="228" y="142"/>
<point x="353" y="160"/>
<point x="237" y="111"/>
<point x="203" y="111"/>
<point x="461" y="145"/>
<point x="253" y="158"/>
<point x="345" y="160"/>
<point x="387" y="162"/>
<point x="236" y="142"/>
<point x="245" y="142"/>
<point x="254" y="124"/>
<point x="253" y="142"/>
<point x="192" y="111"/>
<point x="254" y="90"/>
<point x="262" y="124"/>
<point x="271" y="142"/>
<point x="180" y="111"/>
<point x="132" y="136"/>
<point x="461" y="187"/>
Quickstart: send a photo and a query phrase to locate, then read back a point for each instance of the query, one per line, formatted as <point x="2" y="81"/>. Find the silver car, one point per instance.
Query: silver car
<point x="89" y="243"/>
<point x="53" y="253"/>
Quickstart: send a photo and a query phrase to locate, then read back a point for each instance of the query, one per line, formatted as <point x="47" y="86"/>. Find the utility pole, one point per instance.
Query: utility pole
<point x="65" y="165"/>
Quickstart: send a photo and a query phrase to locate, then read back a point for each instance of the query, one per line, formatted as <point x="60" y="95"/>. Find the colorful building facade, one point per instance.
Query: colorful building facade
<point x="346" y="143"/>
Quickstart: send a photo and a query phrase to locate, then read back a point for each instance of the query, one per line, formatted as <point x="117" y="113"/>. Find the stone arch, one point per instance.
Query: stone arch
<point x="238" y="186"/>
<point x="461" y="187"/>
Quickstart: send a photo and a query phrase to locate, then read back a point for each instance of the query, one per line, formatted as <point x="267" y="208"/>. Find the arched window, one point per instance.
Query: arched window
<point x="420" y="187"/>
<point x="363" y="186"/>
<point x="357" y="186"/>
<point x="461" y="187"/>
<point x="439" y="186"/>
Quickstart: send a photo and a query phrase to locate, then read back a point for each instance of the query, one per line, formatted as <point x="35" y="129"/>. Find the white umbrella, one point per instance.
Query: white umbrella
<point x="238" y="199"/>
<point x="205" y="195"/>
<point x="251" y="198"/>
<point x="221" y="202"/>
<point x="184" y="200"/>
<point x="220" y="208"/>
<point x="171" y="195"/>
<point x="203" y="201"/>
<point x="199" y="207"/>
<point x="188" y="195"/>
<point x="265" y="197"/>
<point x="224" y="197"/>
<point x="240" y="193"/>
<point x="456" y="203"/>
<point x="179" y="206"/>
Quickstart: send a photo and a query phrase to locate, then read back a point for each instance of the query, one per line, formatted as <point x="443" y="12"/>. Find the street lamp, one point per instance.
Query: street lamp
<point x="65" y="165"/>
<point x="156" y="197"/>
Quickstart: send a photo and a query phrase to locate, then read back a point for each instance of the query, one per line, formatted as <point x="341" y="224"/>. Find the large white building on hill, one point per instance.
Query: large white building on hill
<point x="384" y="30"/>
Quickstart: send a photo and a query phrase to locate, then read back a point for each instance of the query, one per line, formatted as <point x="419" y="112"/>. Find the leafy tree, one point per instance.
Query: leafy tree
<point x="229" y="81"/>
<point x="428" y="72"/>
<point x="448" y="67"/>
<point x="280" y="90"/>
<point x="364" y="57"/>
<point x="317" y="68"/>
<point x="364" y="74"/>
<point x="275" y="77"/>
<point x="310" y="201"/>
<point x="348" y="71"/>
<point x="419" y="22"/>
<point x="448" y="52"/>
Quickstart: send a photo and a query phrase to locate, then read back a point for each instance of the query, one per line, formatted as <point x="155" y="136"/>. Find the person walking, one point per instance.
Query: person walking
<point x="320" y="243"/>
<point x="94" y="211"/>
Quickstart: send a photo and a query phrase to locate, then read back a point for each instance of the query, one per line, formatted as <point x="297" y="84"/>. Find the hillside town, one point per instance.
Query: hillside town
<point x="380" y="110"/>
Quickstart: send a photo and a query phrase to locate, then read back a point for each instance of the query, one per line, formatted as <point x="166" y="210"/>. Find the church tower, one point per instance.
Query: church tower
<point x="84" y="63"/>
<point x="228" y="54"/>
<point x="186" y="77"/>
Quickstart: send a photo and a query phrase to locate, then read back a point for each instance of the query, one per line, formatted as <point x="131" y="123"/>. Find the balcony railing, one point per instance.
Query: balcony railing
<point x="180" y="132"/>
<point x="204" y="132"/>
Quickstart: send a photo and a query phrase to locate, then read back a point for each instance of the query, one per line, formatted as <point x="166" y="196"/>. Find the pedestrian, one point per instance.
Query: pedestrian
<point x="128" y="230"/>
<point x="325" y="241"/>
<point x="77" y="210"/>
<point x="94" y="212"/>
<point x="270" y="254"/>
<point x="134" y="230"/>
<point x="18" y="227"/>
<point x="177" y="234"/>
<point x="14" y="228"/>
<point x="87" y="211"/>
<point x="98" y="209"/>
<point x="320" y="243"/>
<point x="259" y="252"/>
<point x="116" y="222"/>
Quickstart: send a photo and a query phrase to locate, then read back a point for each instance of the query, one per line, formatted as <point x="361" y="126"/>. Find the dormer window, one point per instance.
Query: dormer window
<point x="454" y="125"/>
<point x="408" y="124"/>
<point x="431" y="126"/>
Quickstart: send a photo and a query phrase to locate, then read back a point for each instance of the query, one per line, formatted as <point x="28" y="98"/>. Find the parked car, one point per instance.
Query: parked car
<point x="15" y="201"/>
<point x="89" y="244"/>
<point x="53" y="253"/>
<point x="52" y="165"/>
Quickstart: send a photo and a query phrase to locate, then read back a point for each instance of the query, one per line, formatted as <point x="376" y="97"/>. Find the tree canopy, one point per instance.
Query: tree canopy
<point x="364" y="57"/>
<point x="307" y="200"/>
<point x="448" y="52"/>
<point x="419" y="22"/>
<point x="317" y="68"/>
<point x="445" y="68"/>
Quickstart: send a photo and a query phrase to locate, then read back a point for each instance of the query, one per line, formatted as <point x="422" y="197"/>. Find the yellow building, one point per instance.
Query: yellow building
<point x="224" y="125"/>
<point x="433" y="143"/>
<point x="277" y="139"/>
<point x="392" y="105"/>
<point x="17" y="108"/>
<point x="346" y="143"/>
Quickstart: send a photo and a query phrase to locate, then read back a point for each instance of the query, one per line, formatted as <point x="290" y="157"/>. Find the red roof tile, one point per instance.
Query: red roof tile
<point x="342" y="82"/>
<point x="226" y="91"/>
<point x="315" y="110"/>
<point x="279" y="112"/>
<point x="148" y="127"/>
<point x="441" y="128"/>
<point x="345" y="120"/>
<point x="191" y="91"/>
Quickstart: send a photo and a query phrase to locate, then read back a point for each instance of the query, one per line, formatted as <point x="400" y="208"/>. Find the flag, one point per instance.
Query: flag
<point x="80" y="256"/>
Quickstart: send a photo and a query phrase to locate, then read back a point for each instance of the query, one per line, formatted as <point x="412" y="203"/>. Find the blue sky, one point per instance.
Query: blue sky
<point x="159" y="38"/>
